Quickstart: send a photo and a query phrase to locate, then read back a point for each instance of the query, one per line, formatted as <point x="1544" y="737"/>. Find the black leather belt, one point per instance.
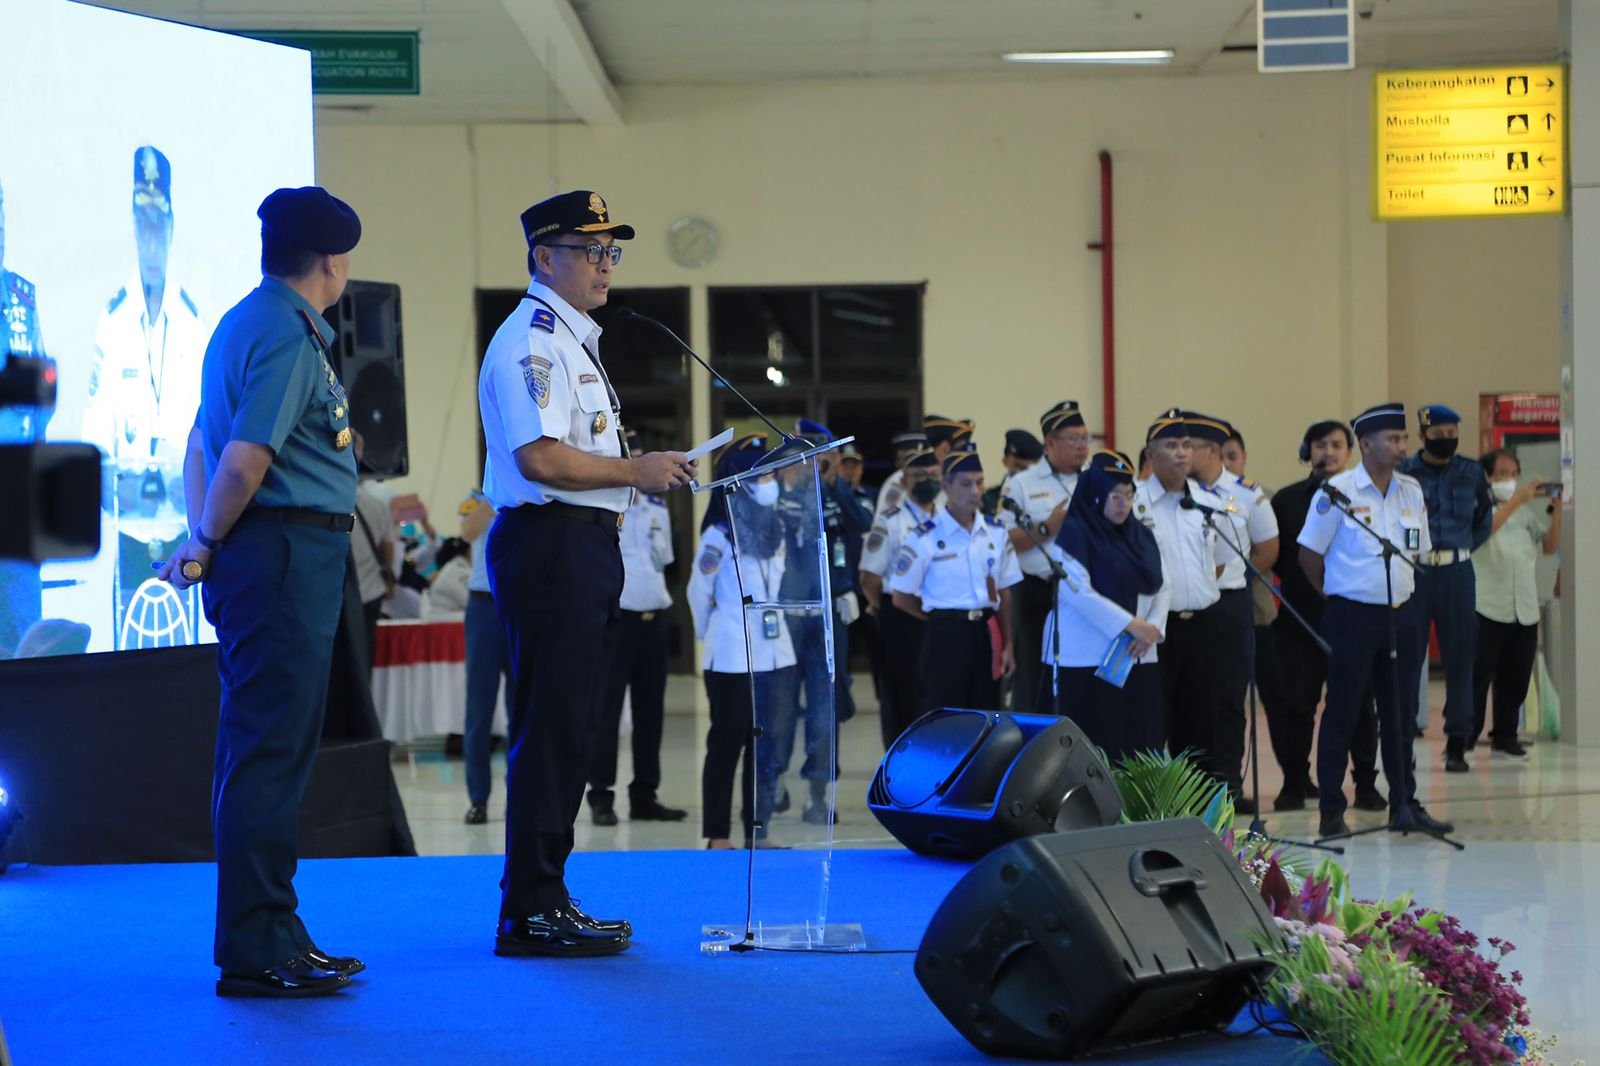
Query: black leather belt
<point x="572" y="512"/>
<point x="980" y="615"/>
<point x="477" y="595"/>
<point x="643" y="616"/>
<point x="298" y="516"/>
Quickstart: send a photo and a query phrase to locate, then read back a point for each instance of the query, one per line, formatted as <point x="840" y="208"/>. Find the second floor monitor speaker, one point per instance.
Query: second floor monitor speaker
<point x="960" y="783"/>
<point x="371" y="364"/>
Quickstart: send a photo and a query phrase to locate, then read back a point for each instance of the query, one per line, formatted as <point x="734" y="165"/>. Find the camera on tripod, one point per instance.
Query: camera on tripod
<point x="52" y="490"/>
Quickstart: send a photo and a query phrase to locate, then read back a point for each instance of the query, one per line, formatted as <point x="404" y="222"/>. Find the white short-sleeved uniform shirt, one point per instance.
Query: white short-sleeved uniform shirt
<point x="1250" y="522"/>
<point x="716" y="594"/>
<point x="542" y="377"/>
<point x="888" y="534"/>
<point x="1353" y="559"/>
<point x="1038" y="490"/>
<point x="951" y="568"/>
<point x="1190" y="550"/>
<point x="646" y="542"/>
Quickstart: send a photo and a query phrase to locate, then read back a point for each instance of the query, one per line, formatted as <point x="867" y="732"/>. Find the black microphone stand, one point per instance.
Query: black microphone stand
<point x="1058" y="574"/>
<point x="1404" y="826"/>
<point x="1258" y="827"/>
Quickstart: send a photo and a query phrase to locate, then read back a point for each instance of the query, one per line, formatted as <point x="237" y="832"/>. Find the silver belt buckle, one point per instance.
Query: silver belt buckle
<point x="975" y="616"/>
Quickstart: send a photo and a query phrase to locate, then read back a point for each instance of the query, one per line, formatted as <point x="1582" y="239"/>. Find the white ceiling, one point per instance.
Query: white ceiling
<point x="478" y="64"/>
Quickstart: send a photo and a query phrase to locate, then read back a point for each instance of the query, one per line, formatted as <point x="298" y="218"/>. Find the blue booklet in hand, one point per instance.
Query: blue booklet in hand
<point x="1118" y="661"/>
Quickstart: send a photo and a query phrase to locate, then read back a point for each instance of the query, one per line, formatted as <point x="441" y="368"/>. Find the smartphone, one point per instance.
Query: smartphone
<point x="1549" y="488"/>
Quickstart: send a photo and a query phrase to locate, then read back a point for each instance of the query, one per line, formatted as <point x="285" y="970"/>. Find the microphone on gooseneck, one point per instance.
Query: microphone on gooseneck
<point x="1333" y="492"/>
<point x="630" y="313"/>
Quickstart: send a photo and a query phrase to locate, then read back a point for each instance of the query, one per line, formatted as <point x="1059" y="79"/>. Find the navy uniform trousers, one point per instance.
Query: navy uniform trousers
<point x="1448" y="597"/>
<point x="274" y="594"/>
<point x="1032" y="599"/>
<point x="556" y="582"/>
<point x="900" y="664"/>
<point x="1358" y="657"/>
<point x="958" y="664"/>
<point x="636" y="659"/>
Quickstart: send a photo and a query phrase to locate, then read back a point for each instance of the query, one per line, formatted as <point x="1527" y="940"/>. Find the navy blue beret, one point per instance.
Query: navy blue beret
<point x="310" y="218"/>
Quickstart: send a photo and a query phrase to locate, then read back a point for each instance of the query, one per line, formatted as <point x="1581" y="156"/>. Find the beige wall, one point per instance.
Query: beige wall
<point x="1250" y="282"/>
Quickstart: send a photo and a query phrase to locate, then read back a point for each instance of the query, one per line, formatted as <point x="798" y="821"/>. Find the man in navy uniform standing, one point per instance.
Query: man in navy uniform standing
<point x="270" y="484"/>
<point x="1460" y="520"/>
<point x="560" y="474"/>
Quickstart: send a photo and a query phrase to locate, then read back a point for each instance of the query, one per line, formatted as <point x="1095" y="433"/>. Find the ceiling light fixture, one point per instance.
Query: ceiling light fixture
<point x="1137" y="57"/>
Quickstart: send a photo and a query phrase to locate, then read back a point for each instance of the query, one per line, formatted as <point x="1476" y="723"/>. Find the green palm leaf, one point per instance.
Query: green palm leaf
<point x="1157" y="786"/>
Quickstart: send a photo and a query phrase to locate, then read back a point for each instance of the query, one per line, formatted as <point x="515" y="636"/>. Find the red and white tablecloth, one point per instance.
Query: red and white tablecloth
<point x="419" y="680"/>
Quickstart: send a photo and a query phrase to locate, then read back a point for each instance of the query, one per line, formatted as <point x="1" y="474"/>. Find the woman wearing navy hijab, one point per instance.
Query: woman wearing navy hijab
<point x="1116" y="587"/>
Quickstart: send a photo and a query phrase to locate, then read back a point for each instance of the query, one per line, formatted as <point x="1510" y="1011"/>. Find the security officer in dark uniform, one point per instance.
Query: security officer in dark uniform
<point x="1291" y="706"/>
<point x="956" y="572"/>
<point x="1460" y="520"/>
<point x="20" y="597"/>
<point x="560" y="475"/>
<point x="1344" y="563"/>
<point x="270" y="480"/>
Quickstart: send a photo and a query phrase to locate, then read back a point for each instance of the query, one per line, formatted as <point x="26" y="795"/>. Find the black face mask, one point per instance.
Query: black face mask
<point x="925" y="492"/>
<point x="1441" y="447"/>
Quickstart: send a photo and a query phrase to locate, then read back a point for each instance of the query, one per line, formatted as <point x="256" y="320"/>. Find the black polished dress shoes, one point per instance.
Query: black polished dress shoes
<point x="604" y="925"/>
<point x="653" y="810"/>
<point x="477" y="814"/>
<point x="556" y="932"/>
<point x="1331" y="824"/>
<point x="1417" y="817"/>
<point x="348" y="965"/>
<point x="296" y="978"/>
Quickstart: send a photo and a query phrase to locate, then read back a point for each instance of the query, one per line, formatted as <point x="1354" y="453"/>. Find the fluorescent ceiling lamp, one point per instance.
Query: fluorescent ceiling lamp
<point x="1124" y="57"/>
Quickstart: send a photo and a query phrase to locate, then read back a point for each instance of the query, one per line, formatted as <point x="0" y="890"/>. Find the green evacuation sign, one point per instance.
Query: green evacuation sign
<point x="355" y="63"/>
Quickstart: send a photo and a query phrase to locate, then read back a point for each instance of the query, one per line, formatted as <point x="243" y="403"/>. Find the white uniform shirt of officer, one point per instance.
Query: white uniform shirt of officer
<point x="889" y="534"/>
<point x="538" y="380"/>
<point x="646" y="542"/>
<point x="1084" y="623"/>
<point x="716" y="595"/>
<point x="1250" y="522"/>
<point x="1190" y="552"/>
<point x="1353" y="565"/>
<point x="1038" y="490"/>
<point x="950" y="567"/>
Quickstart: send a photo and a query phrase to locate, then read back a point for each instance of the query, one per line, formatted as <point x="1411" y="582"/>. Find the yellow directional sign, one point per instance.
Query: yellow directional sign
<point x="1474" y="141"/>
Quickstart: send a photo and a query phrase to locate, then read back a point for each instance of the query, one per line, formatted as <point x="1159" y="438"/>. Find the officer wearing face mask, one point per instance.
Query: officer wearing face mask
<point x="1460" y="520"/>
<point x="899" y="634"/>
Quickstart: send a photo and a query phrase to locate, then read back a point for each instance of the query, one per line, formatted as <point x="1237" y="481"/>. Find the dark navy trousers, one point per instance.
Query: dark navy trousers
<point x="636" y="663"/>
<point x="556" y="583"/>
<point x="486" y="663"/>
<point x="1358" y="657"/>
<point x="1448" y="597"/>
<point x="274" y="594"/>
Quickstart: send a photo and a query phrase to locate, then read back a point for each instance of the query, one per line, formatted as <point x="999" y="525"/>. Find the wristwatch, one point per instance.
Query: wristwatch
<point x="206" y="542"/>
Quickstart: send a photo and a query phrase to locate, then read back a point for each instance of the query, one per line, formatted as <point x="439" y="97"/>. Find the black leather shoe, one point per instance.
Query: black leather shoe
<point x="604" y="816"/>
<point x="1245" y="805"/>
<point x="477" y="814"/>
<point x="1331" y="824"/>
<point x="348" y="965"/>
<point x="604" y="925"/>
<point x="1455" y="759"/>
<point x="1368" y="798"/>
<point x="297" y="978"/>
<point x="1509" y="747"/>
<point x="1289" y="800"/>
<point x="653" y="810"/>
<point x="1417" y="817"/>
<point x="781" y="804"/>
<point x="556" y="932"/>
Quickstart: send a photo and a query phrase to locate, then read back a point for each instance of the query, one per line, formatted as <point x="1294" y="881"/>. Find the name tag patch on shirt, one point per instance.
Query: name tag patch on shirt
<point x="587" y="379"/>
<point x="130" y="372"/>
<point x="544" y="319"/>
<point x="536" y="375"/>
<point x="942" y="558"/>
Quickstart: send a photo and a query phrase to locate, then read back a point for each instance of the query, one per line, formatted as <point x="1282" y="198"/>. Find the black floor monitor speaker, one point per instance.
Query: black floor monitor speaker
<point x="961" y="783"/>
<point x="371" y="364"/>
<point x="1077" y="943"/>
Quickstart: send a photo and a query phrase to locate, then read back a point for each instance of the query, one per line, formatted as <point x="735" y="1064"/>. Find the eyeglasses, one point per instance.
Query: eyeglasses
<point x="594" y="252"/>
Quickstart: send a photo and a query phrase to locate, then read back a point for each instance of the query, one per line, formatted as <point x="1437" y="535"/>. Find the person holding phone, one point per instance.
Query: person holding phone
<point x="1508" y="597"/>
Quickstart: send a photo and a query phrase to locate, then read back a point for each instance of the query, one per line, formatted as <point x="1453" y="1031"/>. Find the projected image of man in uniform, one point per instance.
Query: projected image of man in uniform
<point x="144" y="388"/>
<point x="19" y="335"/>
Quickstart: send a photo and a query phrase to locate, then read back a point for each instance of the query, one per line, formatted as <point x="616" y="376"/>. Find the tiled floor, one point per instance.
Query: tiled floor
<point x="1532" y="830"/>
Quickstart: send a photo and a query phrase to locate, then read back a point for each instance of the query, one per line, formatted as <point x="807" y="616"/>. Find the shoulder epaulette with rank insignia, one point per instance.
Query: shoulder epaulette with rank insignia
<point x="992" y="520"/>
<point x="1247" y="483"/>
<point x="892" y="511"/>
<point x="23" y="288"/>
<point x="657" y="500"/>
<point x="924" y="527"/>
<point x="543" y="319"/>
<point x="189" y="303"/>
<point x="116" y="301"/>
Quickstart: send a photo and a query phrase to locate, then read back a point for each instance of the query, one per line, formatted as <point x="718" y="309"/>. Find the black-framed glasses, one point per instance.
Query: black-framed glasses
<point x="594" y="251"/>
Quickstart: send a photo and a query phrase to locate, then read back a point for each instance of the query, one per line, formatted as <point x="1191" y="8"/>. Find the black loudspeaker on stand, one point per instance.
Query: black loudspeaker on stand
<point x="1076" y="943"/>
<point x="371" y="364"/>
<point x="960" y="783"/>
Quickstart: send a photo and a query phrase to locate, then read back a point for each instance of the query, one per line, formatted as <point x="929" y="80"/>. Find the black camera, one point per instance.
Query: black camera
<point x="53" y="489"/>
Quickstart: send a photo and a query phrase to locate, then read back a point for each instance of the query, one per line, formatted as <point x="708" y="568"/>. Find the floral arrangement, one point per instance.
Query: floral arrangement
<point x="1369" y="982"/>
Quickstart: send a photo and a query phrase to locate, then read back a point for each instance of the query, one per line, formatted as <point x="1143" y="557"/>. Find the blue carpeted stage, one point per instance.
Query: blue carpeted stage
<point x="112" y="964"/>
